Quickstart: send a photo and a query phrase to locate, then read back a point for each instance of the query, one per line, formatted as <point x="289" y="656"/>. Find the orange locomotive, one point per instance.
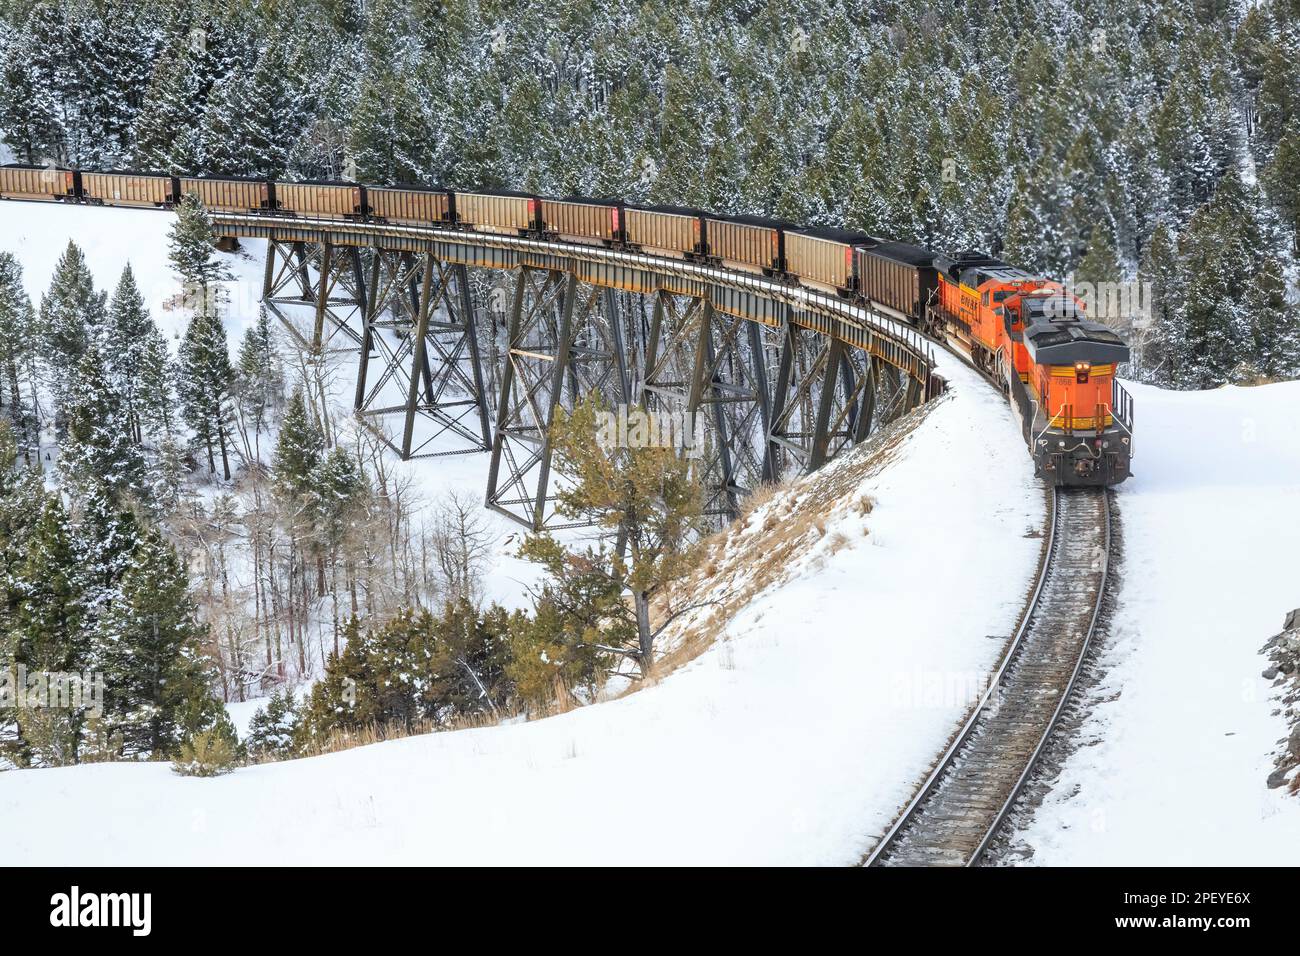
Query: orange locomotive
<point x="1033" y="337"/>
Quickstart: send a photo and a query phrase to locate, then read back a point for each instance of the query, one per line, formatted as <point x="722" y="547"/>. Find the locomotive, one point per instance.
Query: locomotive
<point x="1029" y="335"/>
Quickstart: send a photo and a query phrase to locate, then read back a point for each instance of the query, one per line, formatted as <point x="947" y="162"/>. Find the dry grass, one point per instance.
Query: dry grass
<point x="339" y="740"/>
<point x="739" y="562"/>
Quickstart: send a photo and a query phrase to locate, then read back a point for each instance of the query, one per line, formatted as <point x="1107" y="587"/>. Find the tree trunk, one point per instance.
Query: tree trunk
<point x="225" y="459"/>
<point x="641" y="599"/>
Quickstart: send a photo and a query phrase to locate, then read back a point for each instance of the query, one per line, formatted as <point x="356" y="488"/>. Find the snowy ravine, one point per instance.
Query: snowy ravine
<point x="795" y="741"/>
<point x="1182" y="723"/>
<point x="38" y="233"/>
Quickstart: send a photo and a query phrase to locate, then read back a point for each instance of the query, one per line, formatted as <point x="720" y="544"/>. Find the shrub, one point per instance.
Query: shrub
<point x="209" y="752"/>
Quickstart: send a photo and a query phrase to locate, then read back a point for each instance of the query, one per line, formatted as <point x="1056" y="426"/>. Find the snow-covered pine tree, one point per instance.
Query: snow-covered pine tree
<point x="169" y="127"/>
<point x="1162" y="347"/>
<point x="127" y="334"/>
<point x="205" y="387"/>
<point x="191" y="250"/>
<point x="156" y="395"/>
<point x="272" y="729"/>
<point x="71" y="314"/>
<point x="1275" y="324"/>
<point x="151" y="639"/>
<point x="45" y="630"/>
<point x="28" y="115"/>
<point x="17" y="352"/>
<point x="259" y="372"/>
<point x="298" y="450"/>
<point x="99" y="449"/>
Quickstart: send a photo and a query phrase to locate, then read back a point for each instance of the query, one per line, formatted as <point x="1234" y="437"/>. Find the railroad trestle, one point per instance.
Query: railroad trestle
<point x="474" y="343"/>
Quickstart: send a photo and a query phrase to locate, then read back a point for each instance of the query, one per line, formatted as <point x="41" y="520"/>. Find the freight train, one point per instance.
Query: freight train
<point x="1028" y="334"/>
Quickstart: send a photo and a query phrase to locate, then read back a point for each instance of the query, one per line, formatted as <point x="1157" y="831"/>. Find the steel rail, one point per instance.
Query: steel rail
<point x="1069" y="687"/>
<point x="1015" y="650"/>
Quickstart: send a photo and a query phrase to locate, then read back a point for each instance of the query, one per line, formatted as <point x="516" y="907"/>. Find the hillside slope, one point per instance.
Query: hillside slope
<point x="793" y="739"/>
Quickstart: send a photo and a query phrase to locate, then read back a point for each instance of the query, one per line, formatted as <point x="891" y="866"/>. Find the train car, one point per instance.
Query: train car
<point x="665" y="230"/>
<point x="321" y="200"/>
<point x="513" y="214"/>
<point x="40" y="183"/>
<point x="589" y="221"/>
<point x="128" y="189"/>
<point x="896" y="278"/>
<point x="823" y="257"/>
<point x="1077" y="417"/>
<point x="422" y="205"/>
<point x="972" y="291"/>
<point x="227" y="194"/>
<point x="747" y="242"/>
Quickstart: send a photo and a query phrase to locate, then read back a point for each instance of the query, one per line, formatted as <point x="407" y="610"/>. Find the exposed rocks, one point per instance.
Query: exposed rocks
<point x="1283" y="651"/>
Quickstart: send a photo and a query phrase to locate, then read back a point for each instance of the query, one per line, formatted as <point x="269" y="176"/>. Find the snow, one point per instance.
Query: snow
<point x="1183" y="723"/>
<point x="793" y="740"/>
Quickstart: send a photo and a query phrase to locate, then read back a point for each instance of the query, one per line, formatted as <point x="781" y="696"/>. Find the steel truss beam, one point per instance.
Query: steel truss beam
<point x="316" y="291"/>
<point x="420" y="325"/>
<point x="565" y="340"/>
<point x="713" y="368"/>
<point x="770" y="386"/>
<point x="828" y="397"/>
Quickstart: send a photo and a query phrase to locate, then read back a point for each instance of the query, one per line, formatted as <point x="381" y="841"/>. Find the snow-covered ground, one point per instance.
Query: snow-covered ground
<point x="795" y="739"/>
<point x="1183" y="725"/>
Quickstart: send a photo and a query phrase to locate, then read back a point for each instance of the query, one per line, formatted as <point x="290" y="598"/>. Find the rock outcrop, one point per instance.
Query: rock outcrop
<point x="1283" y="651"/>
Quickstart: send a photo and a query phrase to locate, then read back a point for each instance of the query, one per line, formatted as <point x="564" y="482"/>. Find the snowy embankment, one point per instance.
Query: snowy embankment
<point x="1183" y="723"/>
<point x="794" y="738"/>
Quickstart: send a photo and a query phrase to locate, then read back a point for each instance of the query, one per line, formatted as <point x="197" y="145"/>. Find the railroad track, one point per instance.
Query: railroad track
<point x="965" y="799"/>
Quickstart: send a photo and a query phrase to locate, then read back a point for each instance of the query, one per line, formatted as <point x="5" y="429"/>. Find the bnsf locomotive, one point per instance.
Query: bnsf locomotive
<point x="1028" y="334"/>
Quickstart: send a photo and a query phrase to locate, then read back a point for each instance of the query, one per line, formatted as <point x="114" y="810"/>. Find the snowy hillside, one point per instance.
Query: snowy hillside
<point x="1183" y="724"/>
<point x="794" y="739"/>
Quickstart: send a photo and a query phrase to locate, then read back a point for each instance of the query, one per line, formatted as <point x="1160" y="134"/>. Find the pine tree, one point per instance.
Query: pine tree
<point x="205" y="387"/>
<point x="127" y="335"/>
<point x="28" y="120"/>
<point x="45" y="632"/>
<point x="1163" y="347"/>
<point x="168" y="130"/>
<point x="273" y="728"/>
<point x="72" y="313"/>
<point x="17" y="354"/>
<point x="647" y="495"/>
<point x="260" y="375"/>
<point x="191" y="251"/>
<point x="1275" y="323"/>
<point x="152" y="656"/>
<point x="1282" y="180"/>
<point x="98" y="449"/>
<point x="156" y="396"/>
<point x="298" y="451"/>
